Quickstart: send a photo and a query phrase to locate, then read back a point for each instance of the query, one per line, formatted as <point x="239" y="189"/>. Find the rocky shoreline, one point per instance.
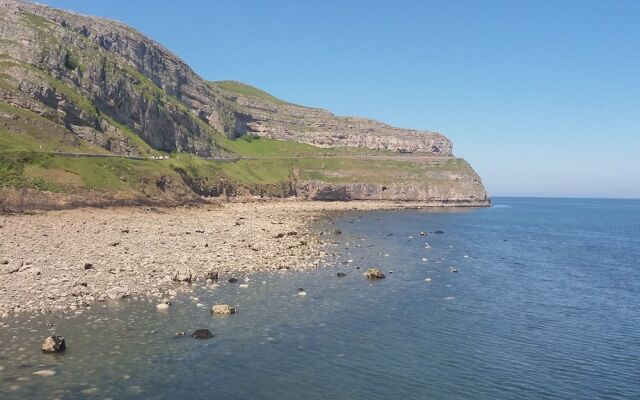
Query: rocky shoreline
<point x="65" y="261"/>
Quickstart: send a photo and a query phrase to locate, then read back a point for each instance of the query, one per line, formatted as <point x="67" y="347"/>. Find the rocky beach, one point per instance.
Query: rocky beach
<point x="65" y="261"/>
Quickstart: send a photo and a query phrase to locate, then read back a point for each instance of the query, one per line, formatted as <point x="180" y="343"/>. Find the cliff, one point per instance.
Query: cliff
<point x="79" y="85"/>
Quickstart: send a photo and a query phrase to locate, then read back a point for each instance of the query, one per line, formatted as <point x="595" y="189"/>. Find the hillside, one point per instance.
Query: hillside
<point x="93" y="112"/>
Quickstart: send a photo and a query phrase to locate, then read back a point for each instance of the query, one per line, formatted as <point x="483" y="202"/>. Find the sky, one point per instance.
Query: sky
<point x="541" y="97"/>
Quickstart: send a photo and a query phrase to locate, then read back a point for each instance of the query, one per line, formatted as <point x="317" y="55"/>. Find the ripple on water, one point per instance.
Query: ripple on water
<point x="515" y="322"/>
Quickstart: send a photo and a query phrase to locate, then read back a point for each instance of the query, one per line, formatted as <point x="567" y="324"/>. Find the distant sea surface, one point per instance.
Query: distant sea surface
<point x="545" y="304"/>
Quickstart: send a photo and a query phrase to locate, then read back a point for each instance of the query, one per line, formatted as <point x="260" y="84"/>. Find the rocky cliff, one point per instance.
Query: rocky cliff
<point x="80" y="84"/>
<point x="260" y="114"/>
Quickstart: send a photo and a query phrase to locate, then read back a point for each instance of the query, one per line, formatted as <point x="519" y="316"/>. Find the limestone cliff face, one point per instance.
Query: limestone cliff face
<point x="318" y="190"/>
<point x="86" y="71"/>
<point x="459" y="185"/>
<point x="95" y="75"/>
<point x="285" y="121"/>
<point x="103" y="83"/>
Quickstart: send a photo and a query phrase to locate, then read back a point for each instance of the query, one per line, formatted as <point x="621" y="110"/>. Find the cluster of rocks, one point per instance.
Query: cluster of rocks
<point x="66" y="260"/>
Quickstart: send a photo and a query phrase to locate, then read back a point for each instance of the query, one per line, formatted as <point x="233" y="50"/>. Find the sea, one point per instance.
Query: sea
<point x="531" y="298"/>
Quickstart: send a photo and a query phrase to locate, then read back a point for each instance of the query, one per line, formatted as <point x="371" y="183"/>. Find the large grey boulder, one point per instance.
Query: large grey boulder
<point x="53" y="344"/>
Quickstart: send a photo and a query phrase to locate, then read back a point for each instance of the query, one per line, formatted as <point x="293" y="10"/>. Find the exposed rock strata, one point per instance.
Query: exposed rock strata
<point x="87" y="72"/>
<point x="285" y="121"/>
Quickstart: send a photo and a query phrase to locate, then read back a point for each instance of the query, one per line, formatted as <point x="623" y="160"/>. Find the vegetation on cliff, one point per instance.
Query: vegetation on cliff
<point x="90" y="106"/>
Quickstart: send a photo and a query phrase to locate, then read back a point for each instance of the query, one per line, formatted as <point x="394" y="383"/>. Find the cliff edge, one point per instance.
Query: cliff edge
<point x="93" y="112"/>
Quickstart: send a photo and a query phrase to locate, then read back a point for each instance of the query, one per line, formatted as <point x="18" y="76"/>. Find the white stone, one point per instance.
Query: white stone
<point x="45" y="372"/>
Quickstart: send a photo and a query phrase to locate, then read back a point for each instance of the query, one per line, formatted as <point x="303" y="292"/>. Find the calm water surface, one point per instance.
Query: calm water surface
<point x="546" y="305"/>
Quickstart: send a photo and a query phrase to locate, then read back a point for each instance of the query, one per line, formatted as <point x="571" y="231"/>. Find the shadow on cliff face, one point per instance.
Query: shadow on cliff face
<point x="223" y="187"/>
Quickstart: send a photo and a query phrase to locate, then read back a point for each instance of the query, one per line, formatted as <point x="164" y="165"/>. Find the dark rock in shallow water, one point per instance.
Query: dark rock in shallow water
<point x="337" y="232"/>
<point x="202" y="334"/>
<point x="184" y="276"/>
<point x="211" y="275"/>
<point x="439" y="232"/>
<point x="341" y="274"/>
<point x="54" y="344"/>
<point x="233" y="280"/>
<point x="374" y="273"/>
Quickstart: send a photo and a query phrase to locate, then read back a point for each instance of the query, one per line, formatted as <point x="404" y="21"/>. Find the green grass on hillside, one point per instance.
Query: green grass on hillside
<point x="246" y="90"/>
<point x="261" y="147"/>
<point x="23" y="130"/>
<point x="36" y="21"/>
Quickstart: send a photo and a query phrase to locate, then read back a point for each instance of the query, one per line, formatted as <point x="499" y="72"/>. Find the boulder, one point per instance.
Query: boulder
<point x="374" y="273"/>
<point x="202" y="334"/>
<point x="341" y="274"/>
<point x="223" y="309"/>
<point x="213" y="275"/>
<point x="233" y="280"/>
<point x="53" y="344"/>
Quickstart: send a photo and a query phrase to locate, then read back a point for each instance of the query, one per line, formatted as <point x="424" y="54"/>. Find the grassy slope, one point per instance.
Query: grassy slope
<point x="246" y="90"/>
<point x="23" y="137"/>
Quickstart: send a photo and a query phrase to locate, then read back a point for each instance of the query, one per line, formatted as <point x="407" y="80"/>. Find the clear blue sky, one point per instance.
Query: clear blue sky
<point x="541" y="97"/>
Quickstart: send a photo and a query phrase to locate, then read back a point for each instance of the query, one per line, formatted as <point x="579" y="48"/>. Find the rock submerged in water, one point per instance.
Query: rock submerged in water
<point x="184" y="276"/>
<point x="53" y="344"/>
<point x="223" y="309"/>
<point x="116" y="293"/>
<point x="45" y="372"/>
<point x="213" y="275"/>
<point x="374" y="273"/>
<point x="202" y="334"/>
<point x="233" y="280"/>
<point x="341" y="274"/>
<point x="164" y="305"/>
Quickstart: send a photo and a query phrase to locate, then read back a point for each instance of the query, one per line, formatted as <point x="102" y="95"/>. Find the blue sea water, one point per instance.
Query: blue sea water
<point x="545" y="305"/>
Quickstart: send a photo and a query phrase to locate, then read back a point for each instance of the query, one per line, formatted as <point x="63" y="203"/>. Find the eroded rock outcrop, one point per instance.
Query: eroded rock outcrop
<point x="101" y="78"/>
<point x="101" y="83"/>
